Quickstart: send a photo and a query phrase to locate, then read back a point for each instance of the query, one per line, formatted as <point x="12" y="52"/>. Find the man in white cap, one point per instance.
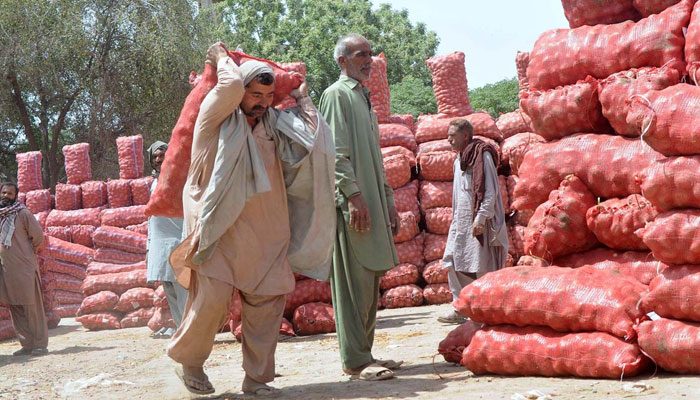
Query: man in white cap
<point x="258" y="204"/>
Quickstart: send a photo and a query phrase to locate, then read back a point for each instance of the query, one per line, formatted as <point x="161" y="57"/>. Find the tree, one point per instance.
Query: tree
<point x="412" y="96"/>
<point x="307" y="30"/>
<point x="496" y="98"/>
<point x="91" y="70"/>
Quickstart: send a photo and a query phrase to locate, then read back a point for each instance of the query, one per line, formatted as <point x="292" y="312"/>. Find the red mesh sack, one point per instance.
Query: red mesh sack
<point x="402" y="274"/>
<point x="437" y="293"/>
<point x="141" y="190"/>
<point x="614" y="221"/>
<point x="450" y="83"/>
<point x="67" y="310"/>
<point x="94" y="194"/>
<point x="403" y="296"/>
<point x="4" y="313"/>
<point x="378" y="86"/>
<point x="160" y="300"/>
<point x="70" y="252"/>
<point x="514" y="148"/>
<point x="398" y="150"/>
<point x="101" y="268"/>
<point x="100" y="301"/>
<point x="516" y="236"/>
<point x="285" y="82"/>
<point x="141" y="228"/>
<point x="672" y="183"/>
<point x="234" y="312"/>
<point x="437" y="166"/>
<point x="668" y="119"/>
<point x="406" y="198"/>
<point x="68" y="197"/>
<point x="77" y="162"/>
<point x="433" y="145"/>
<point x="566" y="300"/>
<point x="123" y="216"/>
<point x="510" y="261"/>
<point x="113" y="256"/>
<point x="67" y="297"/>
<point x="635" y="264"/>
<point x="396" y="135"/>
<point x="119" y="193"/>
<point x="674" y="236"/>
<point x="66" y="268"/>
<point x="82" y="234"/>
<point x="38" y="200"/>
<point x="408" y="227"/>
<point x="559" y="225"/>
<point x="286" y="329"/>
<point x="485" y="126"/>
<point x="130" y="149"/>
<point x="101" y="320"/>
<point x="692" y="44"/>
<point x="411" y="252"/>
<point x="137" y="318"/>
<point x="564" y="56"/>
<point x="162" y="318"/>
<point x="457" y="340"/>
<point x="406" y="119"/>
<point x="66" y="282"/>
<point x="307" y="291"/>
<point x="432" y="128"/>
<point x="565" y="110"/>
<point x="435" y="272"/>
<point x="117" y="283"/>
<point x="522" y="60"/>
<point x="434" y="246"/>
<point x="503" y="189"/>
<point x="519" y="217"/>
<point x="22" y="197"/>
<point x="607" y="164"/>
<point x="649" y="7"/>
<point x="117" y="238"/>
<point x="671" y="344"/>
<point x="41" y="218"/>
<point x="59" y="232"/>
<point x="617" y="89"/>
<point x="86" y="216"/>
<point x="398" y="170"/>
<point x="438" y="220"/>
<point x="513" y="122"/>
<point x="313" y="319"/>
<point x="298" y="67"/>
<point x="29" y="171"/>
<point x="674" y="293"/>
<point x="530" y="350"/>
<point x="7" y="331"/>
<point x="594" y="12"/>
<point x="435" y="194"/>
<point x="166" y="200"/>
<point x="134" y="299"/>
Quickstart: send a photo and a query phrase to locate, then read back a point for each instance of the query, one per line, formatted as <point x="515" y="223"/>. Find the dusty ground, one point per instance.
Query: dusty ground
<point x="133" y="366"/>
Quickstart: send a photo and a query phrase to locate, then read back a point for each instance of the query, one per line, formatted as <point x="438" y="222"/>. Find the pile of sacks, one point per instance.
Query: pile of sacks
<point x="605" y="198"/>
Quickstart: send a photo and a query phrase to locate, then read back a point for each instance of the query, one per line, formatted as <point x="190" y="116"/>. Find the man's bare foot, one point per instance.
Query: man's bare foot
<point x="194" y="379"/>
<point x="250" y="386"/>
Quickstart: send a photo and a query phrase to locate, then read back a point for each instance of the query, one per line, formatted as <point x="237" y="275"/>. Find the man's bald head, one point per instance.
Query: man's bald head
<point x="353" y="53"/>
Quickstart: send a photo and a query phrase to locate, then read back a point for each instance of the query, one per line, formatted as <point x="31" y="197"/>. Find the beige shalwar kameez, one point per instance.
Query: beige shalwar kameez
<point x="251" y="255"/>
<point x="20" y="282"/>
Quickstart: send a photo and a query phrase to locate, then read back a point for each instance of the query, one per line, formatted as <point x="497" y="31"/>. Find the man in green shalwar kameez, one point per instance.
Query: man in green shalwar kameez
<point x="364" y="247"/>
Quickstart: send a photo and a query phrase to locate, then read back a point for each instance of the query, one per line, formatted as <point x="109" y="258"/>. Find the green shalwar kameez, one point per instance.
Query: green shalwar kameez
<point x="360" y="258"/>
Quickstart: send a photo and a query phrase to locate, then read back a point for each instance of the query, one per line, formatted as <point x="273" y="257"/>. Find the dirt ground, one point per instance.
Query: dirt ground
<point x="129" y="364"/>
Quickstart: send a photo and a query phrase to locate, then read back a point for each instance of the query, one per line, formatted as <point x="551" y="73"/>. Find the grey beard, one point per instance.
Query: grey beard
<point x="7" y="203"/>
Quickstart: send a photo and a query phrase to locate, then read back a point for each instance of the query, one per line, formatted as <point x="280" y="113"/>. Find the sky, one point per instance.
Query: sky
<point x="488" y="32"/>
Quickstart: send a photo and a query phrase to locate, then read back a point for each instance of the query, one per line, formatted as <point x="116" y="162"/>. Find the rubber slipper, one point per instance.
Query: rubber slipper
<point x="375" y="372"/>
<point x="184" y="378"/>
<point x="391" y="364"/>
<point x="262" y="391"/>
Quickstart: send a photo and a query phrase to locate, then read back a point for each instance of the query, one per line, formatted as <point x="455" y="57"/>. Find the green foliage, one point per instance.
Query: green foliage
<point x="412" y="96"/>
<point x="496" y="98"/>
<point x="307" y="30"/>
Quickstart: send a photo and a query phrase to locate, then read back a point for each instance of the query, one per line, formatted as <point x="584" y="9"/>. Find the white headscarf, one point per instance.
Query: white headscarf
<point x="250" y="69"/>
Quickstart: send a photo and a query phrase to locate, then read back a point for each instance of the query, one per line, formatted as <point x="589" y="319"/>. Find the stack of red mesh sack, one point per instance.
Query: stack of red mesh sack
<point x="162" y="318"/>
<point x="65" y="266"/>
<point x="551" y="321"/>
<point x="116" y="296"/>
<point x="308" y="308"/>
<point x="30" y="183"/>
